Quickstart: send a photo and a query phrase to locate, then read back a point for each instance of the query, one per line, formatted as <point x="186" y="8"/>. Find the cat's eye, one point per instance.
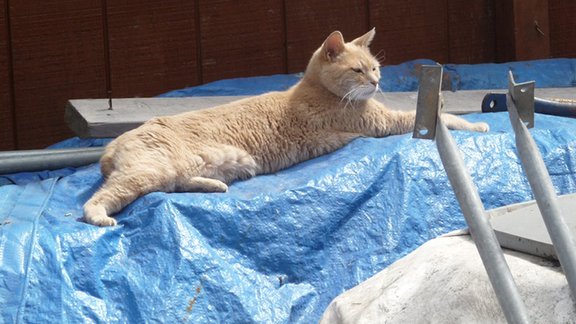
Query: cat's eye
<point x="357" y="70"/>
<point x="373" y="69"/>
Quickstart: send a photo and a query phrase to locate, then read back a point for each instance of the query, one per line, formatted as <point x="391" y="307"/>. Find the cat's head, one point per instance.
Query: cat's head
<point x="348" y="70"/>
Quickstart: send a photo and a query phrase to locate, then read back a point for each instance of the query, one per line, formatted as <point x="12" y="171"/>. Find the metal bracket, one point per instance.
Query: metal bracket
<point x="520" y="100"/>
<point x="428" y="104"/>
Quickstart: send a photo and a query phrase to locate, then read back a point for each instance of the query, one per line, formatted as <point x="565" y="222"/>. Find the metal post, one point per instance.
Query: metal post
<point x="467" y="195"/>
<point x="521" y="111"/>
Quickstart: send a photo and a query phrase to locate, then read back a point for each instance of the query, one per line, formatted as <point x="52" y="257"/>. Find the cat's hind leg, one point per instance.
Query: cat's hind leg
<point x="226" y="163"/>
<point x="201" y="184"/>
<point x="120" y="190"/>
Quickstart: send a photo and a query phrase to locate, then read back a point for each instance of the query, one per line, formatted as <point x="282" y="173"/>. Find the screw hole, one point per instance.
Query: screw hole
<point x="492" y="104"/>
<point x="423" y="131"/>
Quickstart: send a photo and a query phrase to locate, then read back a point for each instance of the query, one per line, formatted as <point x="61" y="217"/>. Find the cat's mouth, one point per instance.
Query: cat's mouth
<point x="362" y="92"/>
<point x="367" y="92"/>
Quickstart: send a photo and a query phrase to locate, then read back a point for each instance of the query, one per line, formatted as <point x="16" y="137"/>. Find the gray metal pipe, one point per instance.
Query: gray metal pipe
<point x="429" y="125"/>
<point x="49" y="159"/>
<point x="480" y="228"/>
<point x="496" y="102"/>
<point x="544" y="192"/>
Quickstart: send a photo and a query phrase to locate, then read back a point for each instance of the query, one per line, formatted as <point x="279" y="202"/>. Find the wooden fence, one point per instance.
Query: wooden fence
<point x="55" y="50"/>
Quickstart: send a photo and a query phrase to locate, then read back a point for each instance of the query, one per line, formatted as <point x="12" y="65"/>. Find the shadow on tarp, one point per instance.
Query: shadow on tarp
<point x="275" y="248"/>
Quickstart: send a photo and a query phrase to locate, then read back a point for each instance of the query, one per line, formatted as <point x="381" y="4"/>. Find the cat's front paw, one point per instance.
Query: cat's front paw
<point x="480" y="127"/>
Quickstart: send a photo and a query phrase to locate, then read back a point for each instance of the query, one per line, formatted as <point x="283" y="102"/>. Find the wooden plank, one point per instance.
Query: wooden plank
<point x="465" y="101"/>
<point x="92" y="118"/>
<point x="58" y="55"/>
<point x="308" y="23"/>
<point x="517" y="38"/>
<point x="241" y="38"/>
<point x="411" y="29"/>
<point x="562" y="17"/>
<point x="152" y="46"/>
<point x="6" y="108"/>
<point x="471" y="30"/>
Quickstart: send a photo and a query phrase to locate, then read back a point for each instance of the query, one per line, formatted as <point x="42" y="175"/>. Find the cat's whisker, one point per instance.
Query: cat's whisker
<point x="380" y="56"/>
<point x="381" y="92"/>
<point x="346" y="95"/>
<point x="354" y="90"/>
<point x="353" y="96"/>
<point x="362" y="92"/>
<point x="351" y="102"/>
<point x="348" y="101"/>
<point x="349" y="96"/>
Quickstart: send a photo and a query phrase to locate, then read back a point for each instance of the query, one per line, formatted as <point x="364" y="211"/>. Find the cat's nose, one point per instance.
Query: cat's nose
<point x="374" y="83"/>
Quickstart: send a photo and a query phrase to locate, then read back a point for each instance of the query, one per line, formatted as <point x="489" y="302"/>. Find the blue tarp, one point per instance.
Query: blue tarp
<point x="274" y="249"/>
<point x="553" y="73"/>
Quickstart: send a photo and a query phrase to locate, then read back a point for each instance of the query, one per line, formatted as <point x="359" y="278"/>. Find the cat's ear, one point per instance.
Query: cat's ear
<point x="365" y="39"/>
<point x="333" y="45"/>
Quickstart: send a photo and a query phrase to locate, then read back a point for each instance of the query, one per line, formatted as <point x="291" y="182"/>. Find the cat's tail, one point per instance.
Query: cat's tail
<point x="107" y="159"/>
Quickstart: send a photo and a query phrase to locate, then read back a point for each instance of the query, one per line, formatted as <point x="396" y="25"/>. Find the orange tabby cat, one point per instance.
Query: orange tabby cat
<point x="205" y="150"/>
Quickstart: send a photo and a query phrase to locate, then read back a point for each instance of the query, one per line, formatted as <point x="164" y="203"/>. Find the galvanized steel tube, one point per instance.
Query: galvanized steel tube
<point x="49" y="159"/>
<point x="546" y="198"/>
<point x="480" y="228"/>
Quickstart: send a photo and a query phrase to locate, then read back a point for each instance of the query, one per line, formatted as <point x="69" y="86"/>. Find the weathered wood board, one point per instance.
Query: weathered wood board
<point x="93" y="118"/>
